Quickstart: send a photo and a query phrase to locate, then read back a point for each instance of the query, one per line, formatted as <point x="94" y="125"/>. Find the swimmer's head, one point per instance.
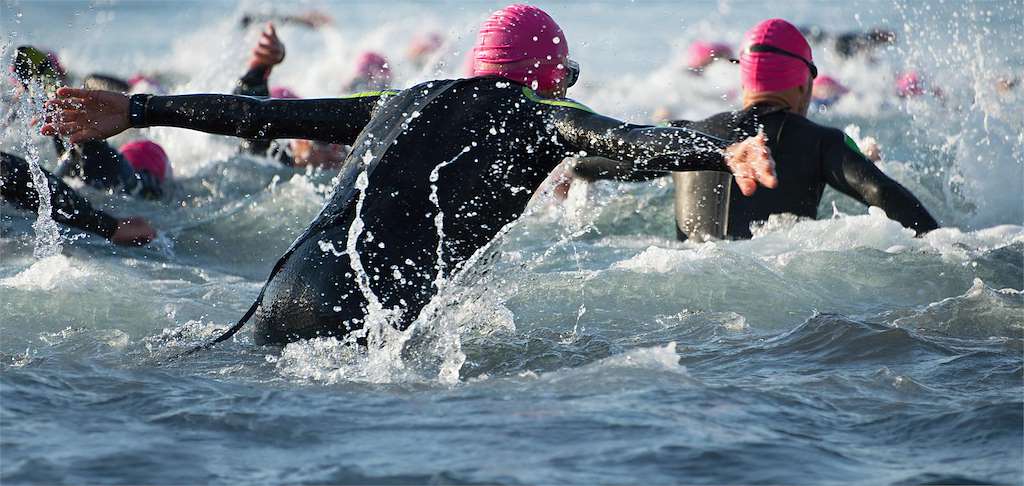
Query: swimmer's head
<point x="909" y="84"/>
<point x="147" y="156"/>
<point x="700" y="54"/>
<point x="776" y="60"/>
<point x="827" y="90"/>
<point x="522" y="43"/>
<point x="140" y="83"/>
<point x="372" y="73"/>
<point x="282" y="92"/>
<point x="423" y="46"/>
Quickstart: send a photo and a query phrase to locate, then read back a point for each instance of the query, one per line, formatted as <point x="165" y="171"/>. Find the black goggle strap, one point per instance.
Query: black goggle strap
<point x="782" y="52"/>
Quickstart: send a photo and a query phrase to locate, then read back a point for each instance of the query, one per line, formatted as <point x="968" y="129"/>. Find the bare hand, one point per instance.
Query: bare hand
<point x="133" y="231"/>
<point x="751" y="164"/>
<point x="269" y="52"/>
<point x="86" y="114"/>
<point x="869" y="147"/>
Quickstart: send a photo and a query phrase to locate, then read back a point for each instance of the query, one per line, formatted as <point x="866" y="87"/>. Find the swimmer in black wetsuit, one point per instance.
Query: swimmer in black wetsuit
<point x="777" y="93"/>
<point x="67" y="206"/>
<point x="458" y="158"/>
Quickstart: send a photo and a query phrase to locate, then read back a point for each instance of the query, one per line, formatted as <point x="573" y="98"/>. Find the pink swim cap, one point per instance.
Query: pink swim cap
<point x="772" y="71"/>
<point x="522" y="43"/>
<point x="909" y="84"/>
<point x="283" y="93"/>
<point x="372" y="69"/>
<point x="829" y="85"/>
<point x="144" y="155"/>
<point x="424" y="45"/>
<point x="701" y="53"/>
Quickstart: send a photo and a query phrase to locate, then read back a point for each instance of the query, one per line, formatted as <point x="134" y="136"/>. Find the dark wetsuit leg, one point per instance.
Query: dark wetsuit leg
<point x="69" y="207"/>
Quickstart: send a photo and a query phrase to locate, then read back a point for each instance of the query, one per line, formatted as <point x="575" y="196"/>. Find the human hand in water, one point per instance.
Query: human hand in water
<point x="751" y="164"/>
<point x="133" y="231"/>
<point x="86" y="114"/>
<point x="269" y="52"/>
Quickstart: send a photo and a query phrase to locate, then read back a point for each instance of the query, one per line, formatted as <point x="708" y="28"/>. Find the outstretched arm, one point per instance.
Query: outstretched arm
<point x="68" y="207"/>
<point x="90" y="114"/>
<point x="663" y="148"/>
<point x="847" y="170"/>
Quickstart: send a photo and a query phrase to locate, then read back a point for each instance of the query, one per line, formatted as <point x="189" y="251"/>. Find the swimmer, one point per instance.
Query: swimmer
<point x="853" y="43"/>
<point x="459" y="158"/>
<point x="270" y="52"/>
<point x="826" y="91"/>
<point x="68" y="207"/>
<point x="140" y="168"/>
<point x="373" y="73"/>
<point x="777" y="72"/>
<point x="423" y="47"/>
<point x="701" y="54"/>
<point x="312" y="19"/>
<point x="912" y="84"/>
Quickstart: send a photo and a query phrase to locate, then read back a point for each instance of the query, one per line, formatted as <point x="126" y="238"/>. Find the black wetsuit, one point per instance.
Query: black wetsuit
<point x="489" y="143"/>
<point x="807" y="156"/>
<point x="254" y="83"/>
<point x="68" y="207"/>
<point x="101" y="166"/>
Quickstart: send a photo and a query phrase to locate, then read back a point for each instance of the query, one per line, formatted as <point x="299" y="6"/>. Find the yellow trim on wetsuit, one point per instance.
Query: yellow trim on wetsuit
<point x="533" y="96"/>
<point x="368" y="94"/>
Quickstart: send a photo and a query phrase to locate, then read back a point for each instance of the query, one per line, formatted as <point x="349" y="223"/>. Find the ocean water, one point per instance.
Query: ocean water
<point x="593" y="348"/>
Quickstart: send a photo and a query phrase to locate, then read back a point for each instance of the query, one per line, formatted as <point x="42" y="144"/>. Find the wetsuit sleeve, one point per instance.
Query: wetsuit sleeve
<point x="647" y="148"/>
<point x="69" y="207"/>
<point x="335" y="120"/>
<point x="847" y="170"/>
<point x="600" y="168"/>
<point x="253" y="82"/>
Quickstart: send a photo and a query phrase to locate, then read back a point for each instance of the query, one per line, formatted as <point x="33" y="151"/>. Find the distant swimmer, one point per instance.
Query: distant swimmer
<point x="826" y="91"/>
<point x="701" y="54"/>
<point x="777" y="72"/>
<point x="372" y="73"/>
<point x="423" y="47"/>
<point x="853" y="43"/>
<point x="67" y="206"/>
<point x="437" y="171"/>
<point x="269" y="52"/>
<point x="912" y="84"/>
<point x="312" y="19"/>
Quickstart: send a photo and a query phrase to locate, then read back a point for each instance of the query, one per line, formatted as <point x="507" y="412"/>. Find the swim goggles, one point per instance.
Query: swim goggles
<point x="782" y="52"/>
<point x="572" y="72"/>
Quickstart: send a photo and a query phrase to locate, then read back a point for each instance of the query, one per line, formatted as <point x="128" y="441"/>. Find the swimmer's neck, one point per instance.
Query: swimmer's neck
<point x="791" y="99"/>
